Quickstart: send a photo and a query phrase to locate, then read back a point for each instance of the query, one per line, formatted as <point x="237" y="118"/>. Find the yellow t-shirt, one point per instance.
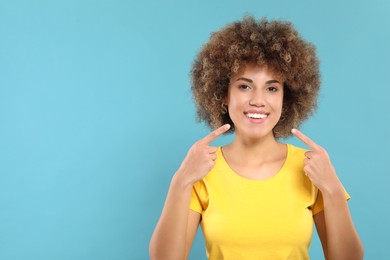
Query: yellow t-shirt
<point x="252" y="219"/>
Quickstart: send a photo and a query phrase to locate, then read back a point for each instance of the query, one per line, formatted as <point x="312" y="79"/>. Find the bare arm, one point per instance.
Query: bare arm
<point x="193" y="222"/>
<point x="319" y="220"/>
<point x="336" y="230"/>
<point x="174" y="232"/>
<point x="176" y="228"/>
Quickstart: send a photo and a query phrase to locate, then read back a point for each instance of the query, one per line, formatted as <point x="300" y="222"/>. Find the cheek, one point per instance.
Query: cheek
<point x="235" y="108"/>
<point x="279" y="102"/>
<point x="231" y="100"/>
<point x="232" y="107"/>
<point x="236" y="98"/>
<point x="235" y="104"/>
<point x="280" y="105"/>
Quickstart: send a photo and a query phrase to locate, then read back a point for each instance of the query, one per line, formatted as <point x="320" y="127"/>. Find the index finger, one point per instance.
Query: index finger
<point x="214" y="134"/>
<point x="304" y="138"/>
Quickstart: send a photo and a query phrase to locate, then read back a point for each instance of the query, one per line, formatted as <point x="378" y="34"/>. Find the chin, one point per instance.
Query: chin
<point x="256" y="133"/>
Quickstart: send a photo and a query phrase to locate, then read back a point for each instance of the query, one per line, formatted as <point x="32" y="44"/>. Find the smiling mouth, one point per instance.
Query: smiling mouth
<point x="256" y="115"/>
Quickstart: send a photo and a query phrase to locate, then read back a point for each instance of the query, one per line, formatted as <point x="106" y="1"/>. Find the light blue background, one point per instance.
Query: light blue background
<point x="96" y="116"/>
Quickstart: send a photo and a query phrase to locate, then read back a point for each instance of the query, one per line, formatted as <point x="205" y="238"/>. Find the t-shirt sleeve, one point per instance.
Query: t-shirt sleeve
<point x="319" y="204"/>
<point x="199" y="198"/>
<point x="195" y="204"/>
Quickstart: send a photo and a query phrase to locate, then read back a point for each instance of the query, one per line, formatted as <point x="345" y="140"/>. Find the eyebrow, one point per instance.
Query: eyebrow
<point x="251" y="81"/>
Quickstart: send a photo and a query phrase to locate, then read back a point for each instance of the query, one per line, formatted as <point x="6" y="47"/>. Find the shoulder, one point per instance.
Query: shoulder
<point x="296" y="151"/>
<point x="296" y="155"/>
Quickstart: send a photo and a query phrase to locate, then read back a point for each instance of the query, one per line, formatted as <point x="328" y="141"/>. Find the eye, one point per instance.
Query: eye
<point x="272" y="89"/>
<point x="244" y="87"/>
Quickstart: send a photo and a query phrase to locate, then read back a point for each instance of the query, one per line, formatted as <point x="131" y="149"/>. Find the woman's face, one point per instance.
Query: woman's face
<point x="255" y="99"/>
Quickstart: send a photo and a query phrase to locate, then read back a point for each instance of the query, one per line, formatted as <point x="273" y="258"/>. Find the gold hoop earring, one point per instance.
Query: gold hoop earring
<point x="224" y="109"/>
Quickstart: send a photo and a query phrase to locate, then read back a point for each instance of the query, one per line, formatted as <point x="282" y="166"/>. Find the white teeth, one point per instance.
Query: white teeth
<point x="257" y="116"/>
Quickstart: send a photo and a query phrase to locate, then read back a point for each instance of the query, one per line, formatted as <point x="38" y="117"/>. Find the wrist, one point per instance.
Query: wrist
<point x="334" y="190"/>
<point x="181" y="180"/>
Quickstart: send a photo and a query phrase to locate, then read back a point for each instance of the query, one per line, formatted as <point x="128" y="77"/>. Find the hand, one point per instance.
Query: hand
<point x="318" y="167"/>
<point x="200" y="158"/>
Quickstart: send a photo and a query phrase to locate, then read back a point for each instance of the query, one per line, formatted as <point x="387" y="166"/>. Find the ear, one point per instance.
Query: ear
<point x="224" y="106"/>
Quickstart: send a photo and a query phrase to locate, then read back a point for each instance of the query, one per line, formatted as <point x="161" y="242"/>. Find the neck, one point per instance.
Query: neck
<point x="248" y="149"/>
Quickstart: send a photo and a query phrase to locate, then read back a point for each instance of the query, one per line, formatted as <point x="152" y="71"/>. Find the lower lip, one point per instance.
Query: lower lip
<point x="256" y="120"/>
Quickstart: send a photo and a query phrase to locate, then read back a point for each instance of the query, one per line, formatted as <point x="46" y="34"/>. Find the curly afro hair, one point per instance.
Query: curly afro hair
<point x="275" y="44"/>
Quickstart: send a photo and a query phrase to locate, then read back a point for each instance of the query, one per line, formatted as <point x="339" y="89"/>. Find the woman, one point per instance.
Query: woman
<point x="256" y="198"/>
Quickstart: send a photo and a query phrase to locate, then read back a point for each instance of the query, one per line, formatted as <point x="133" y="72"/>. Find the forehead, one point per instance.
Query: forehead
<point x="252" y="68"/>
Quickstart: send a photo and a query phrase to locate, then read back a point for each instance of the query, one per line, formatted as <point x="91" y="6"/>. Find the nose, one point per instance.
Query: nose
<point x="257" y="99"/>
